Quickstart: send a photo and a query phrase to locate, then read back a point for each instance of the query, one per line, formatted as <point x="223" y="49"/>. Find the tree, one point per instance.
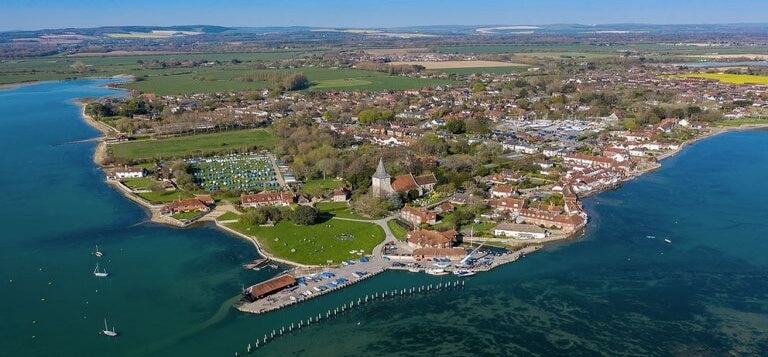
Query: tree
<point x="455" y="126"/>
<point x="395" y="201"/>
<point x="304" y="215"/>
<point x="79" y="67"/>
<point x="370" y="205"/>
<point x="296" y="81"/>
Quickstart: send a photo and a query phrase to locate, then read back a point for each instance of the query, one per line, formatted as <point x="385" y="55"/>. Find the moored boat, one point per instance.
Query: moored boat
<point x="463" y="273"/>
<point x="107" y="331"/>
<point x="100" y="274"/>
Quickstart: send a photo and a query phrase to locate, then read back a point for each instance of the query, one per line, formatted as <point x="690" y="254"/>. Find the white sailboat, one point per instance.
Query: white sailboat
<point x="107" y="331"/>
<point x="100" y="274"/>
<point x="98" y="253"/>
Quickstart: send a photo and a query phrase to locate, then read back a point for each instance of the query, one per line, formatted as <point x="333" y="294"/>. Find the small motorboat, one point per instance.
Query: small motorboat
<point x="463" y="273"/>
<point x="667" y="240"/>
<point x="98" y="253"/>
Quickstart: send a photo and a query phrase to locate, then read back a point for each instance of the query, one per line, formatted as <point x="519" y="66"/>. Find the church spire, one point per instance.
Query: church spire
<point x="381" y="172"/>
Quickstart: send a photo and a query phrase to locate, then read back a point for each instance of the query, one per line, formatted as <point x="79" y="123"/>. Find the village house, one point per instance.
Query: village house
<point x="521" y="231"/>
<point x="418" y="215"/>
<point x="507" y="204"/>
<point x="567" y="223"/>
<point x="263" y="199"/>
<point x="502" y="191"/>
<point x="185" y="205"/>
<point x="422" y="238"/>
<point x="444" y="207"/>
<point x="341" y="194"/>
<point x="125" y="172"/>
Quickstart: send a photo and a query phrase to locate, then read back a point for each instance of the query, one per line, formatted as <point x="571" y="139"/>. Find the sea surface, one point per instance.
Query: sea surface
<point x="620" y="289"/>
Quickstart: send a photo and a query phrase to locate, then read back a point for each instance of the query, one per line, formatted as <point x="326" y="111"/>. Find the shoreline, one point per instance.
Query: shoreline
<point x="155" y="216"/>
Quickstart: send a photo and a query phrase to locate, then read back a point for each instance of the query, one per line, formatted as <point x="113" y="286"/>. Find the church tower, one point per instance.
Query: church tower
<point x="381" y="183"/>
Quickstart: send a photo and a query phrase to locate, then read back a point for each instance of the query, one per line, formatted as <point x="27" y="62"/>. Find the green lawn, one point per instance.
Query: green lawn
<point x="399" y="232"/>
<point x="316" y="244"/>
<point x="320" y="185"/>
<point x="229" y="216"/>
<point x="193" y="145"/>
<point x="164" y="196"/>
<point x="185" y="215"/>
<point x="139" y="183"/>
<point x="337" y="209"/>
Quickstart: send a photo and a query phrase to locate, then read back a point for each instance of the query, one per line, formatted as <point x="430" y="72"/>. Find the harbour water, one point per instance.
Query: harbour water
<point x="621" y="289"/>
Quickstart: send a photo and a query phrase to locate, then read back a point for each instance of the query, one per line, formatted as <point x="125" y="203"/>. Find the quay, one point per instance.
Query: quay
<point x="301" y="284"/>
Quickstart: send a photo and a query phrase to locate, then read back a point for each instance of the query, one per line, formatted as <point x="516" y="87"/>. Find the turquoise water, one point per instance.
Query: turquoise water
<point x="613" y="291"/>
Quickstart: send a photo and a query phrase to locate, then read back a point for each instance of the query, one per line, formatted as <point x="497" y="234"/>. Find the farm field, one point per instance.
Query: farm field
<point x="226" y="75"/>
<point x="467" y="71"/>
<point x="56" y="68"/>
<point x="728" y="78"/>
<point x="193" y="145"/>
<point x="316" y="244"/>
<point x="458" y="64"/>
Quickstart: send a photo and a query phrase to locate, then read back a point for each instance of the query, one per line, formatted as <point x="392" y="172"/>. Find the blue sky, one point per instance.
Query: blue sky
<point x="37" y="14"/>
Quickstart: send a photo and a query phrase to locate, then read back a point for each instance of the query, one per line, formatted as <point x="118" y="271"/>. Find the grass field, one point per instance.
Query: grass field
<point x="194" y="145"/>
<point x="399" y="232"/>
<point x="337" y="209"/>
<point x="139" y="183"/>
<point x="229" y="216"/>
<point x="728" y="78"/>
<point x="329" y="240"/>
<point x="320" y="185"/>
<point x="164" y="196"/>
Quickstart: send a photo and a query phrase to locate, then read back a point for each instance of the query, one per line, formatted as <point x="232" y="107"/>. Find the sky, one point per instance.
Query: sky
<point x="41" y="14"/>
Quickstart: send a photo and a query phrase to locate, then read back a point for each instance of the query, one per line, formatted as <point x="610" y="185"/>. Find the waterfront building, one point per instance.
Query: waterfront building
<point x="522" y="231"/>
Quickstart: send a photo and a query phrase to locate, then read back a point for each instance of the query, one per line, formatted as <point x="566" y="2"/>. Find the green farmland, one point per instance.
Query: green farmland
<point x="195" y="145"/>
<point x="230" y="73"/>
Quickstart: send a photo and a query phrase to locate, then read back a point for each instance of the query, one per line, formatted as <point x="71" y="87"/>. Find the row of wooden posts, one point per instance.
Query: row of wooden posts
<point x="284" y="330"/>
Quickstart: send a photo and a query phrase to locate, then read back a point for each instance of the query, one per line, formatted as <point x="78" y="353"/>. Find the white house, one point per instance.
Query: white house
<point x="126" y="172"/>
<point x="521" y="231"/>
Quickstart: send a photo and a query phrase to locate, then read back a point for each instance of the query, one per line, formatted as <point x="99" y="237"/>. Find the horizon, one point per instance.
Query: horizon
<point x="36" y="15"/>
<point x="398" y="27"/>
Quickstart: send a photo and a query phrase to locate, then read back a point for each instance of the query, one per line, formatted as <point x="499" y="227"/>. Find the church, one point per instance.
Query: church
<point x="382" y="185"/>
